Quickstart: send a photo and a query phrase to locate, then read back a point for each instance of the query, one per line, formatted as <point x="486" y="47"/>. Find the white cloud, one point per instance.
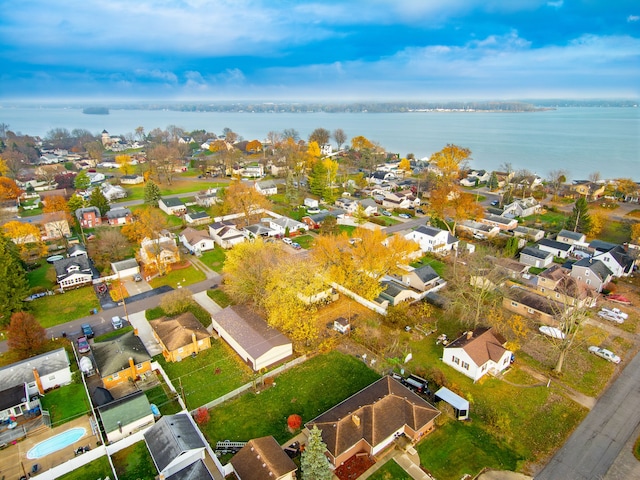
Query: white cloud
<point x="633" y="18"/>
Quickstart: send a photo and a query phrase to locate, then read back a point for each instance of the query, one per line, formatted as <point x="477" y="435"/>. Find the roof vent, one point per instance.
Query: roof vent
<point x="356" y="420"/>
<point x="469" y="335"/>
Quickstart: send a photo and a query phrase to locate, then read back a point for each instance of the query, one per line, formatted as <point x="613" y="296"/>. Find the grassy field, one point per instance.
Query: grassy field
<point x="550" y="221"/>
<point x="159" y="396"/>
<point x="305" y="241"/>
<point x="42" y="277"/>
<point x="220" y="297"/>
<point x="211" y="374"/>
<point x="307" y="390"/>
<point x="134" y="463"/>
<point x="179" y="277"/>
<point x="346" y="228"/>
<point x="178" y="187"/>
<point x="113" y="334"/>
<point x="99" y="468"/>
<point x="62" y="308"/>
<point x="66" y="403"/>
<point x="615" y="232"/>
<point x="390" y="471"/>
<point x="214" y="259"/>
<point x="428" y="259"/>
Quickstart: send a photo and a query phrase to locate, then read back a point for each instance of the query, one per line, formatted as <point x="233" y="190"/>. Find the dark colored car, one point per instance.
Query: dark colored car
<point x="87" y="331"/>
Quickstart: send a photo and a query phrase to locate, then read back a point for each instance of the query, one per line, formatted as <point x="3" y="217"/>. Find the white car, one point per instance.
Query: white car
<point x="552" y="332"/>
<point x="313" y="210"/>
<point x="287" y="240"/>
<point x="612" y="315"/>
<point x="604" y="353"/>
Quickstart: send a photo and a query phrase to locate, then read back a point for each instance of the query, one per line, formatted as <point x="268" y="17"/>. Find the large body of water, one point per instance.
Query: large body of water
<point x="578" y="140"/>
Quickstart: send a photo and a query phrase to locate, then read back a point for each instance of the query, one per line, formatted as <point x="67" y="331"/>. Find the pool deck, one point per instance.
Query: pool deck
<point x="14" y="457"/>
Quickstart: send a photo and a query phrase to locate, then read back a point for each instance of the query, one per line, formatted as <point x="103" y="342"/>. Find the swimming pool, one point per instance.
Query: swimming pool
<point x="56" y="443"/>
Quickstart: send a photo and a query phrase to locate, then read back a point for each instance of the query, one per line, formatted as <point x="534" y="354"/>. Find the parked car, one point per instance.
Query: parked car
<point x="479" y="236"/>
<point x="420" y="211"/>
<point x="495" y="203"/>
<point x="137" y="277"/>
<point x="612" y="316"/>
<point x="313" y="210"/>
<point x="83" y="345"/>
<point x="87" y="331"/>
<point x="404" y="215"/>
<point x="287" y="240"/>
<point x="116" y="322"/>
<point x="296" y="245"/>
<point x="604" y="353"/>
<point x="386" y="213"/>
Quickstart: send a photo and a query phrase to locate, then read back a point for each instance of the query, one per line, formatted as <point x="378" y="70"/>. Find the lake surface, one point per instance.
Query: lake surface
<point x="579" y="140"/>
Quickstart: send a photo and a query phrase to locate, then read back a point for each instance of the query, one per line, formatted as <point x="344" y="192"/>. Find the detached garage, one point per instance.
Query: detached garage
<point x="249" y="335"/>
<point x="459" y="404"/>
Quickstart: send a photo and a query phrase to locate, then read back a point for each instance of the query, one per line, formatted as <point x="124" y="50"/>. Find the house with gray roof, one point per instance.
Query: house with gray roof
<point x="558" y="249"/>
<point x="120" y="359"/>
<point x="591" y="273"/>
<point x="618" y="260"/>
<point x="73" y="272"/>
<point x="533" y="234"/>
<point x="197" y="218"/>
<point x="283" y="225"/>
<point x="172" y="206"/>
<point x="422" y="278"/>
<point x="124" y="416"/>
<point x="315" y="221"/>
<point x="125" y="268"/>
<point x="258" y="344"/>
<point x="177" y="448"/>
<point x="89" y="217"/>
<point x="394" y="293"/>
<point x="267" y="187"/>
<point x="534" y="257"/>
<point x="567" y="236"/>
<point x="432" y="239"/>
<point x="259" y="230"/>
<point x="119" y="216"/>
<point x="226" y="234"/>
<point x="502" y="223"/>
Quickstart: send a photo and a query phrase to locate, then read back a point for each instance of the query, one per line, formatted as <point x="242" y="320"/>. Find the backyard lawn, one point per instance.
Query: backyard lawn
<point x="390" y="471"/>
<point x="214" y="259"/>
<point x="305" y="241"/>
<point x="428" y="259"/>
<point x="99" y="468"/>
<point x="158" y="396"/>
<point x="62" y="308"/>
<point x="134" y="463"/>
<point x="179" y="278"/>
<point x="308" y="390"/>
<point x="211" y="374"/>
<point x="550" y="221"/>
<point x="44" y="276"/>
<point x="221" y="298"/>
<point x="66" y="403"/>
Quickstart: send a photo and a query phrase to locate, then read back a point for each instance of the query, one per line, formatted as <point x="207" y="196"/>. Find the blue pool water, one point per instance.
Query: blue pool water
<point x="56" y="443"/>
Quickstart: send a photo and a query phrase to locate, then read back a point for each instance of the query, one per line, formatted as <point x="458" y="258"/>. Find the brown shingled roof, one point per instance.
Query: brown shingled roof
<point x="176" y="332"/>
<point x="381" y="409"/>
<point x="481" y="345"/>
<point x="262" y="459"/>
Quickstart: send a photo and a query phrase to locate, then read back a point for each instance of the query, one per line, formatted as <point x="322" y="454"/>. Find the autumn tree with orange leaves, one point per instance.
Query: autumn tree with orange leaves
<point x="9" y="190"/>
<point x="27" y="238"/>
<point x="241" y="197"/>
<point x="26" y="335"/>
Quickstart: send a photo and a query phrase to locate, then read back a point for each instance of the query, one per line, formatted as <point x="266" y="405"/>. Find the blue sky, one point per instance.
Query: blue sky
<point x="324" y="50"/>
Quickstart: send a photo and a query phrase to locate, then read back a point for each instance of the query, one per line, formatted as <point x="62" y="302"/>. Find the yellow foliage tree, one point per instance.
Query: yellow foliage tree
<point x="635" y="233"/>
<point x="450" y="205"/>
<point x="405" y="166"/>
<point x="56" y="203"/>
<point x="598" y="220"/>
<point x="449" y="161"/>
<point x="240" y="197"/>
<point x="254" y="146"/>
<point x="3" y="167"/>
<point x="27" y="238"/>
<point x="9" y="190"/>
<point x="361" y="143"/>
<point x="124" y="162"/>
<point x="149" y="223"/>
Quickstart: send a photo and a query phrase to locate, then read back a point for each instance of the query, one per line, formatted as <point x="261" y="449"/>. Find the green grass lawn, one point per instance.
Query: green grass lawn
<point x="159" y="396"/>
<point x="456" y="448"/>
<point x="436" y="264"/>
<point x="308" y="390"/>
<point x="62" y="308"/>
<point x="220" y="297"/>
<point x="179" y="278"/>
<point x="198" y="376"/>
<point x="615" y="232"/>
<point x="99" y="468"/>
<point x="349" y="229"/>
<point x="134" y="463"/>
<point x="42" y="277"/>
<point x="113" y="334"/>
<point x="66" y="403"/>
<point x="390" y="471"/>
<point x="305" y="241"/>
<point x="214" y="259"/>
<point x="551" y="221"/>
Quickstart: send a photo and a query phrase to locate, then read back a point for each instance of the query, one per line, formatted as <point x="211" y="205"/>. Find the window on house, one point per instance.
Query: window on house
<point x="530" y="310"/>
<point x="456" y="360"/>
<point x="465" y="365"/>
<point x="514" y="304"/>
<point x="180" y="350"/>
<point x="52" y="377"/>
<point x="139" y="366"/>
<point x="586" y="274"/>
<point x="588" y="282"/>
<point x="542" y="290"/>
<point x="115" y="376"/>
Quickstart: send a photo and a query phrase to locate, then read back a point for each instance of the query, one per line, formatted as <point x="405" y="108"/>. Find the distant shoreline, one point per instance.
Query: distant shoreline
<point x="95" y="111"/>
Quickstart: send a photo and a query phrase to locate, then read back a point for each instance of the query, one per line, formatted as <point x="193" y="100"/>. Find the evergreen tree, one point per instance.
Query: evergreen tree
<point x="318" y="179"/>
<point x="98" y="200"/>
<point x="151" y="193"/>
<point x="511" y="248"/>
<point x="82" y="180"/>
<point x="492" y="184"/>
<point x="314" y="463"/>
<point x="290" y="192"/>
<point x="580" y="221"/>
<point x="14" y="286"/>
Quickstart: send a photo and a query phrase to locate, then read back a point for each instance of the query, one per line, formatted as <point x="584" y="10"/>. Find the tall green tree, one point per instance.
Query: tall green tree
<point x="151" y="193"/>
<point x="98" y="200"/>
<point x="74" y="203"/>
<point x="492" y="184"/>
<point x="580" y="221"/>
<point x="314" y="463"/>
<point x="82" y="180"/>
<point x="14" y="286"/>
<point x="318" y="179"/>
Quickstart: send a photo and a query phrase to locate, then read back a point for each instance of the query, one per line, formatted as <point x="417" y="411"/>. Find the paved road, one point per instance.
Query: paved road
<point x="598" y="441"/>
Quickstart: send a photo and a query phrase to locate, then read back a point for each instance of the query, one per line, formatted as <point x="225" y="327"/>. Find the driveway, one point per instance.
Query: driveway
<point x="139" y="322"/>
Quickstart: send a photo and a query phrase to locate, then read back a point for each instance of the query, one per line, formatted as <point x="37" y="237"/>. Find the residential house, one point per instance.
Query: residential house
<point x="186" y="140"/>
<point x="124" y="416"/>
<point x="172" y="206"/>
<point x="369" y="421"/>
<point x="617" y="259"/>
<point x="528" y="233"/>
<point x="208" y="143"/>
<point x="394" y="293"/>
<point x="73" y="272"/>
<point x="477" y="352"/>
<point x="131" y="179"/>
<point x="157" y="253"/>
<point x="591" y="273"/>
<point x="557" y="283"/>
<point x="498" y="221"/>
<point x="524" y="207"/>
<point x="315" y="221"/>
<point x="422" y="278"/>
<point x="96" y="178"/>
<point x="432" y="239"/>
<point x="369" y="206"/>
<point x="511" y="268"/>
<point x="76" y="250"/>
<point x="534" y="257"/>
<point x="196" y="240"/>
<point x="558" y="249"/>
<point x="253" y="170"/>
<point x="89" y="217"/>
<point x="531" y="305"/>
<point x="404" y="200"/>
<point x="180" y="336"/>
<point x="258" y="344"/>
<point x="55" y="225"/>
<point x="266" y="187"/>
<point x="285" y="225"/>
<point x="347" y="204"/>
<point x="125" y="268"/>
<point x="21" y="383"/>
<point x="567" y="236"/>
<point x="178" y="449"/>
<point x="197" y="218"/>
<point x="590" y="190"/>
<point x="477" y="228"/>
<point x="121" y="359"/>
<point x="475" y="177"/>
<point x="378" y="177"/>
<point x="259" y="230"/>
<point x="207" y="198"/>
<point x="311" y="203"/>
<point x="119" y="216"/>
<point x="113" y="192"/>
<point x="263" y="459"/>
<point x="226" y="234"/>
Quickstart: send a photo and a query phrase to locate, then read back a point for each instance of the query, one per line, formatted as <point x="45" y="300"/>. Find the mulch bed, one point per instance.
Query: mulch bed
<point x="354" y="467"/>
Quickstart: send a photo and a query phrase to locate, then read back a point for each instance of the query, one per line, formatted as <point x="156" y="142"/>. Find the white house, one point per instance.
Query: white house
<point x="617" y="259"/>
<point x="558" y="249"/>
<point x="258" y="344"/>
<point x="311" y="203"/>
<point x="567" y="236"/>
<point x="534" y="257"/>
<point x="113" y="192"/>
<point x="96" y="177"/>
<point x="369" y="206"/>
<point x="477" y="353"/>
<point x="522" y="208"/>
<point x="226" y="234"/>
<point x="400" y="200"/>
<point x="73" y="272"/>
<point x="172" y="206"/>
<point x="433" y="239"/>
<point x="125" y="415"/>
<point x="267" y="187"/>
<point x="197" y="218"/>
<point x="125" y="268"/>
<point x="283" y="225"/>
<point x="196" y="240"/>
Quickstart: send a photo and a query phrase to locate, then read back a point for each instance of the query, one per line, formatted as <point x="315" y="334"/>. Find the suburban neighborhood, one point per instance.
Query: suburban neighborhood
<point x="190" y="305"/>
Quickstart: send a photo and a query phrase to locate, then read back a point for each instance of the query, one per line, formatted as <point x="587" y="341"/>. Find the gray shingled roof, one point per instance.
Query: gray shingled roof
<point x="576" y="236"/>
<point x="565" y="247"/>
<point x="124" y="410"/>
<point x="535" y="252"/>
<point x="426" y="273"/>
<point x="172" y="202"/>
<point x="196" y="471"/>
<point x="112" y="356"/>
<point x="171" y="436"/>
<point x="596" y="266"/>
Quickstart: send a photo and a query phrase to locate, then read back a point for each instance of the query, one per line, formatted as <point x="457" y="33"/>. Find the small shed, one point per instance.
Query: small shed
<point x="342" y="325"/>
<point x="459" y="404"/>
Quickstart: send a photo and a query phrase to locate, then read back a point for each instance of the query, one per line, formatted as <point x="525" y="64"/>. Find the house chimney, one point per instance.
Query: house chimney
<point x="132" y="367"/>
<point x="195" y="342"/>
<point x="135" y="332"/>
<point x="36" y="376"/>
<point x="469" y="334"/>
<point x="356" y="420"/>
